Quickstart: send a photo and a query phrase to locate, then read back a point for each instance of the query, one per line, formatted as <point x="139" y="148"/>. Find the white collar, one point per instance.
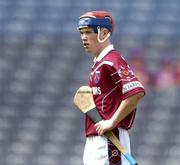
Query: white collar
<point x="104" y="52"/>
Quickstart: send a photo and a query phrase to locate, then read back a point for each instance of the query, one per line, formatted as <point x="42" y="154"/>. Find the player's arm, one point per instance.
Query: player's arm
<point x="125" y="108"/>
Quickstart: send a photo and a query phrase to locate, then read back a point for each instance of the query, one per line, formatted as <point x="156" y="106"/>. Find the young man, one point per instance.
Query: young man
<point x="116" y="91"/>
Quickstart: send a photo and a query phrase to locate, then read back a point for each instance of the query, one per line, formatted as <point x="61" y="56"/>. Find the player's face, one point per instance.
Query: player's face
<point x="89" y="41"/>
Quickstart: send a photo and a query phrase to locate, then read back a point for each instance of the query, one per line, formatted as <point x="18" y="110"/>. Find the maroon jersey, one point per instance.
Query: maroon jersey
<point x="111" y="81"/>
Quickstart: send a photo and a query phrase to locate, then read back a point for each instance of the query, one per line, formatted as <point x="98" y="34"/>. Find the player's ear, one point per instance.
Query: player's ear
<point x="103" y="33"/>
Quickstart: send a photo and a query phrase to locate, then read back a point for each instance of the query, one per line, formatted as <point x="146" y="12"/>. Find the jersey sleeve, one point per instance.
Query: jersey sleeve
<point x="125" y="79"/>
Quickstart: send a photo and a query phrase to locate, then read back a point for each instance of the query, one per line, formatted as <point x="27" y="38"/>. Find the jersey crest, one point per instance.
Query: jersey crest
<point x="126" y="74"/>
<point x="97" y="77"/>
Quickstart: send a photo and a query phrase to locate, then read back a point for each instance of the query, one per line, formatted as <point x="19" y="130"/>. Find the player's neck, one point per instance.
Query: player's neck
<point x="102" y="46"/>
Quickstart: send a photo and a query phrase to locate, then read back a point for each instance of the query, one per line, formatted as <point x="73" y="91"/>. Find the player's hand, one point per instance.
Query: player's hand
<point x="104" y="126"/>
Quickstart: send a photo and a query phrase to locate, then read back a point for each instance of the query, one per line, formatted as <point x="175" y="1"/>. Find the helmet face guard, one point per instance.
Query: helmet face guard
<point x="94" y="23"/>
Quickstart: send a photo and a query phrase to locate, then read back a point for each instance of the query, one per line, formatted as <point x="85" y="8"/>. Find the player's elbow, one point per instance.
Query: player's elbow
<point x="140" y="95"/>
<point x="136" y="98"/>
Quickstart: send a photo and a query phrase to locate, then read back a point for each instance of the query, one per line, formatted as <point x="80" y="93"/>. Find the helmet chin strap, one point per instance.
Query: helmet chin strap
<point x="98" y="36"/>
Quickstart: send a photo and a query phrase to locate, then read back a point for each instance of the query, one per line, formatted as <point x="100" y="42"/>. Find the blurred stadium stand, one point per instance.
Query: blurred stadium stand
<point x="42" y="64"/>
